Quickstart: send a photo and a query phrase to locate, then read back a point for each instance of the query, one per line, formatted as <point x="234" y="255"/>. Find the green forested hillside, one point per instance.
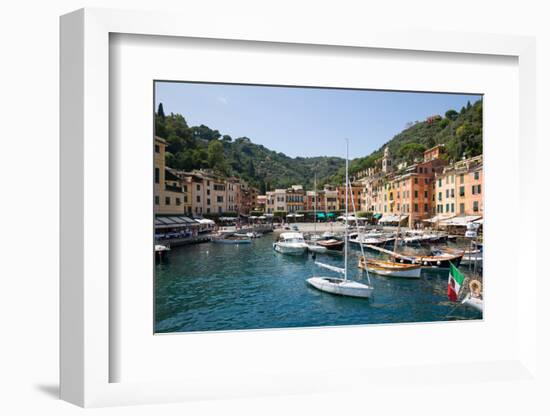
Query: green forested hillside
<point x="201" y="147"/>
<point x="460" y="132"/>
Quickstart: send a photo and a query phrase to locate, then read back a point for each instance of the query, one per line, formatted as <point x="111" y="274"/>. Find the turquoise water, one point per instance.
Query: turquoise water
<point x="212" y="286"/>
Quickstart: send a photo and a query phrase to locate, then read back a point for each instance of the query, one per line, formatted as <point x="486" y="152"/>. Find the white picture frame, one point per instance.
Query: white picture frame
<point x="86" y="356"/>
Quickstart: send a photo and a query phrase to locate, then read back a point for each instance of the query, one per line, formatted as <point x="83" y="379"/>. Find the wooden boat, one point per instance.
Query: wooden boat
<point x="390" y="268"/>
<point x="331" y="244"/>
<point x="442" y="260"/>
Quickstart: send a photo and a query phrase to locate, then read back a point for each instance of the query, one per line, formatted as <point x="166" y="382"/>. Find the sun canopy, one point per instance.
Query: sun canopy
<point x="439" y="217"/>
<point x="206" y="221"/>
<point x="460" y="221"/>
<point x="377" y="216"/>
<point x="392" y="218"/>
<point x="321" y="215"/>
<point x="174" y="221"/>
<point x="350" y="217"/>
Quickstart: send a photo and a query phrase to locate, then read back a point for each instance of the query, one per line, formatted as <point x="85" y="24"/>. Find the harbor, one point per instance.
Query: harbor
<point x="325" y="230"/>
<point x="213" y="286"/>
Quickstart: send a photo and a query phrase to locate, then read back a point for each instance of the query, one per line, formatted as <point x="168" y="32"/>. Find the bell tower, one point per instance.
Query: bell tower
<point x="387" y="161"/>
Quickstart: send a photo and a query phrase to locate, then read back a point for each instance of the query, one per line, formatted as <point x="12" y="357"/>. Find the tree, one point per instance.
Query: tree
<point x="160" y="111"/>
<point x="226" y="138"/>
<point x="451" y="115"/>
<point x="216" y="157"/>
<point x="251" y="172"/>
<point x="410" y="151"/>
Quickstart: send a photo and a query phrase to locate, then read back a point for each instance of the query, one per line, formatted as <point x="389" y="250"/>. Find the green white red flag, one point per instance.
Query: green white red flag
<point x="455" y="283"/>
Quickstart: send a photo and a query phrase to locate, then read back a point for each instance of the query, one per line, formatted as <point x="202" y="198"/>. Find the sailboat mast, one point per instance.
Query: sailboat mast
<point x="346" y="219"/>
<point x="315" y="204"/>
<point x="398" y="230"/>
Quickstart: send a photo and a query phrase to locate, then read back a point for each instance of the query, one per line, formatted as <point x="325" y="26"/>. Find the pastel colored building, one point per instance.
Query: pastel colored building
<point x="354" y="197"/>
<point x="168" y="188"/>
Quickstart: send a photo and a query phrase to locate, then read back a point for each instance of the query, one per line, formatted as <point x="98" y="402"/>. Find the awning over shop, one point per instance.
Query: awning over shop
<point x="174" y="221"/>
<point x="377" y="216"/>
<point x="228" y="218"/>
<point x="321" y="215"/>
<point x="350" y="218"/>
<point x="386" y="219"/>
<point x="439" y="217"/>
<point x="460" y="221"/>
<point x="206" y="221"/>
<point x="331" y="215"/>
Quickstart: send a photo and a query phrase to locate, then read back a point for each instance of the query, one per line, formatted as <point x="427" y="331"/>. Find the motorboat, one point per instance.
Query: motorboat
<point x="291" y="243"/>
<point x="232" y="239"/>
<point x="161" y="250"/>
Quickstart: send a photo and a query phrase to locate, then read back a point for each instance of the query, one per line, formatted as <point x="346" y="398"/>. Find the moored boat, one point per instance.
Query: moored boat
<point x="331" y="244"/>
<point x="390" y="268"/>
<point x="339" y="286"/>
<point x="291" y="243"/>
<point x="232" y="239"/>
<point x="343" y="287"/>
<point x="315" y="248"/>
<point x="442" y="260"/>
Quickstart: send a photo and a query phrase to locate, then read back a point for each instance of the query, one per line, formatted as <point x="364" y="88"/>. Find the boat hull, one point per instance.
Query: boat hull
<point x="433" y="263"/>
<point x="341" y="287"/>
<point x="236" y="241"/>
<point x="473" y="302"/>
<point x="390" y="269"/>
<point x="331" y="244"/>
<point x="295" y="250"/>
<point x="317" y="249"/>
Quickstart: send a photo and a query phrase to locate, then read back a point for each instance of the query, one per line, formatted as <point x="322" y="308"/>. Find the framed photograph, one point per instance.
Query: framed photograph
<point x="281" y="213"/>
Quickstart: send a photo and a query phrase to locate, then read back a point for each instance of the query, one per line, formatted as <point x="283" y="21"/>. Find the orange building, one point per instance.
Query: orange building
<point x="411" y="192"/>
<point x="354" y="198"/>
<point x="311" y="204"/>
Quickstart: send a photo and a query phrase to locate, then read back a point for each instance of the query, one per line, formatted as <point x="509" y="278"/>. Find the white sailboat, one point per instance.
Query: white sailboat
<point x="342" y="286"/>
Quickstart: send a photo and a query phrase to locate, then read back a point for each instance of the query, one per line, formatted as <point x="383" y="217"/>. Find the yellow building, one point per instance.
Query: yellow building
<point x="168" y="190"/>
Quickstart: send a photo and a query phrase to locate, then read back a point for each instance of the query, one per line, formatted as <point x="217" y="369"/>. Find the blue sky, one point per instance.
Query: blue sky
<point x="304" y="121"/>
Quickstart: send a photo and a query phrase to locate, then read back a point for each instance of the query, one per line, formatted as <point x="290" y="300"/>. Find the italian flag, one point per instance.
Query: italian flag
<point x="455" y="282"/>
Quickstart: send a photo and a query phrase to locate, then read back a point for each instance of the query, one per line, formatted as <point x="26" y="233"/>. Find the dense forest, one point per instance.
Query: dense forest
<point x="195" y="147"/>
